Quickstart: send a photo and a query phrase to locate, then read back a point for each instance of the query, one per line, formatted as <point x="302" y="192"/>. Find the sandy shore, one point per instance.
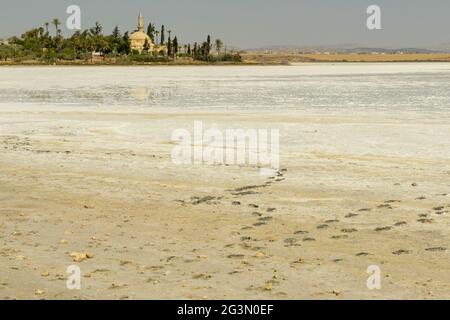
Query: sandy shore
<point x="352" y="191"/>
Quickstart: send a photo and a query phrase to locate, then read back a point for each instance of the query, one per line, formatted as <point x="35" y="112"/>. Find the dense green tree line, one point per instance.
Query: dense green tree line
<point x="50" y="46"/>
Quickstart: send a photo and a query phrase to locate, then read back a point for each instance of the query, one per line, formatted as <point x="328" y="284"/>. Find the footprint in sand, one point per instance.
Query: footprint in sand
<point x="425" y="220"/>
<point x="349" y="230"/>
<point x="383" y="229"/>
<point x="337" y="237"/>
<point x="402" y="251"/>
<point x="259" y="224"/>
<point x="436" y="249"/>
<point x="202" y="276"/>
<point x="351" y="215"/>
<point x="290" y="241"/>
<point x="362" y="254"/>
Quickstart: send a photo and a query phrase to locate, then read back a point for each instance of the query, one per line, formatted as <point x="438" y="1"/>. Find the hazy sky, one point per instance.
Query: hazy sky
<point x="253" y="23"/>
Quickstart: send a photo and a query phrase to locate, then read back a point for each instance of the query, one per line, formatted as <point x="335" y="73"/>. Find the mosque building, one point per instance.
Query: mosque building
<point x="139" y="38"/>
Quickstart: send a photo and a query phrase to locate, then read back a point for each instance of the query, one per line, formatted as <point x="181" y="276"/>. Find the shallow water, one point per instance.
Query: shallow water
<point x="419" y="87"/>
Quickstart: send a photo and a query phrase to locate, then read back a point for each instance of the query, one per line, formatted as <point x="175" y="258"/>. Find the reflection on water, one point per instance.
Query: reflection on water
<point x="234" y="87"/>
<point x="140" y="94"/>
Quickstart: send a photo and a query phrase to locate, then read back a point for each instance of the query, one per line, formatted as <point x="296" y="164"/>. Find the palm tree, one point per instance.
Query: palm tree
<point x="219" y="45"/>
<point x="97" y="29"/>
<point x="41" y="32"/>
<point x="46" y="27"/>
<point x="156" y="36"/>
<point x="56" y="23"/>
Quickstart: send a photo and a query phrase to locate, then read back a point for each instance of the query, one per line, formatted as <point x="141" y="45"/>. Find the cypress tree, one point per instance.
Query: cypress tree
<point x="175" y="46"/>
<point x="126" y="43"/>
<point x="169" y="47"/>
<point x="208" y="45"/>
<point x="163" y="36"/>
<point x="151" y="31"/>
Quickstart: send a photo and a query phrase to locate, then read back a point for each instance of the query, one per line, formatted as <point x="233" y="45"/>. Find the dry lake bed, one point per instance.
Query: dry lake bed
<point x="87" y="179"/>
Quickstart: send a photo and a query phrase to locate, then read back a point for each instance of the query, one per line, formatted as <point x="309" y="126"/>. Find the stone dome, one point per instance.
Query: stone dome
<point x="140" y="36"/>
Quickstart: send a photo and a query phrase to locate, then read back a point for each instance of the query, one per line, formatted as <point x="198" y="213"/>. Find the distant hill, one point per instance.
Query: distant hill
<point x="342" y="49"/>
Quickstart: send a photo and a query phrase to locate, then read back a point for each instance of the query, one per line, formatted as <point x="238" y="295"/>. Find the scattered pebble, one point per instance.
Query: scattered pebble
<point x="39" y="292"/>
<point x="260" y="255"/>
<point x="81" y="256"/>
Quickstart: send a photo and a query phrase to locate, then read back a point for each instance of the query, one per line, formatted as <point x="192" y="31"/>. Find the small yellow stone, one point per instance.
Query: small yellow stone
<point x="268" y="287"/>
<point x="80" y="256"/>
<point x="39" y="292"/>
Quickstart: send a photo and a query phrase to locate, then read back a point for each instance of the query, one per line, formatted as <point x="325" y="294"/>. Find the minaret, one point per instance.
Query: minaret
<point x="140" y="23"/>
